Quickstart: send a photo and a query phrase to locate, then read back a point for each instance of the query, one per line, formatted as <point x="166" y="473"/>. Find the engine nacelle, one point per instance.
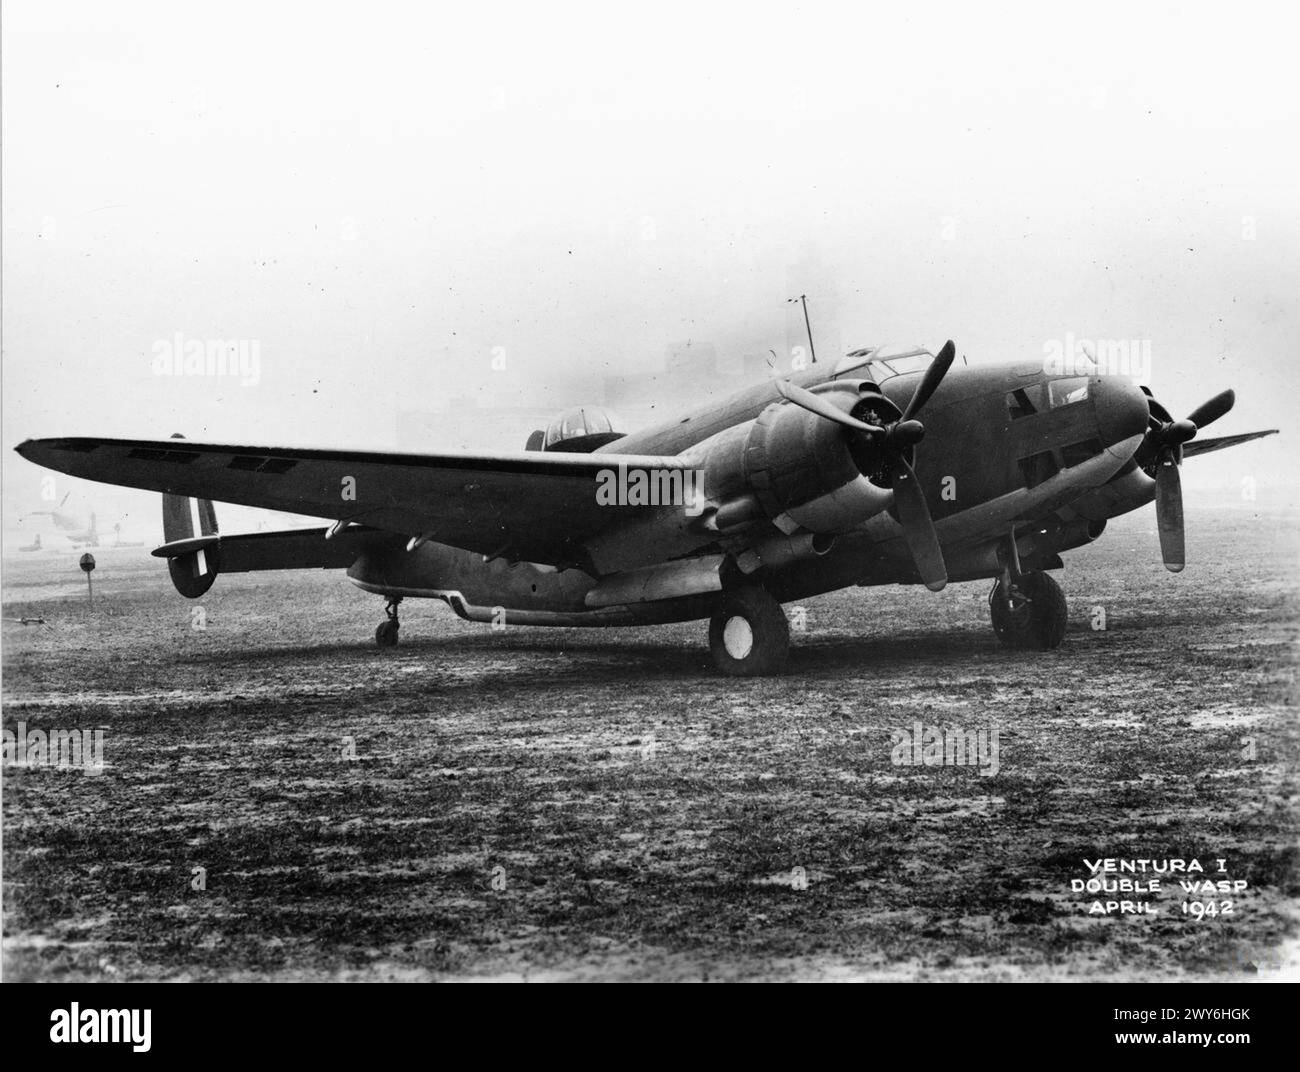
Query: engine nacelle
<point x="801" y="471"/>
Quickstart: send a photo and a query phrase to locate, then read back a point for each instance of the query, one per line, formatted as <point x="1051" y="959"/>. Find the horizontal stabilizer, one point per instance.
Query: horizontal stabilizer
<point x="177" y="548"/>
<point x="283" y="550"/>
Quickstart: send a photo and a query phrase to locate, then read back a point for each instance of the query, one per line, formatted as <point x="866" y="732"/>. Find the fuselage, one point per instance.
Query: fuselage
<point x="1008" y="449"/>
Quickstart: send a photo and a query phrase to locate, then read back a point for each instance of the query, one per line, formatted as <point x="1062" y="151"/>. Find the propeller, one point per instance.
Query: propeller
<point x="816" y="404"/>
<point x="894" y="440"/>
<point x="1160" y="455"/>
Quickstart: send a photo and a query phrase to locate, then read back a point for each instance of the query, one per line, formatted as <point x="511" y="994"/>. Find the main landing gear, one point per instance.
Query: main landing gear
<point x="386" y="633"/>
<point x="748" y="634"/>
<point x="1028" y="611"/>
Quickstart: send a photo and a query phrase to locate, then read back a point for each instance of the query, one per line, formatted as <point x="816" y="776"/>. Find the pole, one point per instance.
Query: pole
<point x="87" y="564"/>
<point x="807" y="324"/>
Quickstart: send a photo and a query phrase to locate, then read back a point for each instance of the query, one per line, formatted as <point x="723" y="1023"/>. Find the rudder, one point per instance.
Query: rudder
<point x="185" y="518"/>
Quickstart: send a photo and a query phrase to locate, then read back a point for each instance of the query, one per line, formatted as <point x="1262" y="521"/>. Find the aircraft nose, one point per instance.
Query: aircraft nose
<point x="1121" y="410"/>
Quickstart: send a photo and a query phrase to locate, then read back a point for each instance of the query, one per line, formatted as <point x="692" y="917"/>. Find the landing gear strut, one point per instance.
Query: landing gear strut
<point x="748" y="635"/>
<point x="1028" y="611"/>
<point x="386" y="633"/>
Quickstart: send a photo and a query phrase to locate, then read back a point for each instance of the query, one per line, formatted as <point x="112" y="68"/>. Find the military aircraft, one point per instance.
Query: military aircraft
<point x="88" y="537"/>
<point x="784" y="490"/>
<point x="78" y="532"/>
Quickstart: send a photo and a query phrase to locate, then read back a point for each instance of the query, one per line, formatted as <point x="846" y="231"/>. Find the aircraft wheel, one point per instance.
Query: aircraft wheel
<point x="749" y="636"/>
<point x="1036" y="616"/>
<point x="386" y="633"/>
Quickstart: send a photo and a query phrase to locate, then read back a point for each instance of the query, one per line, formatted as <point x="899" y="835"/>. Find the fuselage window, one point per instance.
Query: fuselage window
<point x="1018" y="404"/>
<point x="1065" y="392"/>
<point x="1025" y="401"/>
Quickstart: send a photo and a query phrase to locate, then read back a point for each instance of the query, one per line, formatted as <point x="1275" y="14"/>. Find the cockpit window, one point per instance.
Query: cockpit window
<point x="885" y="361"/>
<point x="1065" y="392"/>
<point x="597" y="421"/>
<point x="1025" y="401"/>
<point x="912" y="363"/>
<point x="853" y="361"/>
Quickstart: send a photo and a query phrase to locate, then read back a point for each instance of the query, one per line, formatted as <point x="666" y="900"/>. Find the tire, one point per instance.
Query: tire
<point x="1037" y="617"/>
<point x="748" y="635"/>
<point x="386" y="634"/>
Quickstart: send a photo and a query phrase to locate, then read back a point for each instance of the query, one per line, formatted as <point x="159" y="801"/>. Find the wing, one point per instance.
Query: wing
<point x="1205" y="446"/>
<point x="535" y="506"/>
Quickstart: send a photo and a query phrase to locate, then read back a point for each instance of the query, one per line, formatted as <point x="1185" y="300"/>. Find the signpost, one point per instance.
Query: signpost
<point x="88" y="564"/>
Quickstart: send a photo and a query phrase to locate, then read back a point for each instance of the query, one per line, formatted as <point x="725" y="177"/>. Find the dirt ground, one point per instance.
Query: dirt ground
<point x="599" y="804"/>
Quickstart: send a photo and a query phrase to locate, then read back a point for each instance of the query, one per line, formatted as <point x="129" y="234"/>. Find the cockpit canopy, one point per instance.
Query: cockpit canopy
<point x="581" y="430"/>
<point x="882" y="362"/>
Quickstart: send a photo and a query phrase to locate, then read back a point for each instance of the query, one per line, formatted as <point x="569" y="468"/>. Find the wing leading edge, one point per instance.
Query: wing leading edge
<point x="1207" y="446"/>
<point x="535" y="505"/>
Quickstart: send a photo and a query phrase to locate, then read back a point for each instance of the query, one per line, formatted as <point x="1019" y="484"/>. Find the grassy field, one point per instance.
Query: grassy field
<point x="599" y="804"/>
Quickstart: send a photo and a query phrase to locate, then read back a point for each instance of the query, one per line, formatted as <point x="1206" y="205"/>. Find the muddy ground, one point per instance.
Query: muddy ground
<point x="599" y="804"/>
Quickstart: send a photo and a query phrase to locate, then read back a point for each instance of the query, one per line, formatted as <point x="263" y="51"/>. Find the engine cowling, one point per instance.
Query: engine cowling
<point x="801" y="471"/>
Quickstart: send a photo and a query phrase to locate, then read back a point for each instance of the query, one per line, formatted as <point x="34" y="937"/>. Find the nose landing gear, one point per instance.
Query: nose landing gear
<point x="1027" y="607"/>
<point x="386" y="632"/>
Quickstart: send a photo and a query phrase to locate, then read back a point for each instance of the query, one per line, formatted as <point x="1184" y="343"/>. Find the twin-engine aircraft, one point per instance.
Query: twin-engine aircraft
<point x="785" y="490"/>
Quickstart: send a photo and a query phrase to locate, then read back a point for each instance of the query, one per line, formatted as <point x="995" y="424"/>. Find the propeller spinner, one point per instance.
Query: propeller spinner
<point x="894" y="440"/>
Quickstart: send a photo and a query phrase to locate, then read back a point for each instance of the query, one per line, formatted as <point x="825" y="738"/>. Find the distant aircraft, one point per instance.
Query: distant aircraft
<point x="782" y="491"/>
<point x="88" y="537"/>
<point x="62" y="521"/>
<point x="35" y="545"/>
<point x="77" y="531"/>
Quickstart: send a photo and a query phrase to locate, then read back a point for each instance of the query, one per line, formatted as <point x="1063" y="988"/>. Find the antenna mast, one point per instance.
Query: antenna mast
<point x="803" y="300"/>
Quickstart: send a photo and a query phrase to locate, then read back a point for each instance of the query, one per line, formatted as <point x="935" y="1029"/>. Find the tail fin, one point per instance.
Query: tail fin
<point x="195" y="522"/>
<point x="191" y="519"/>
<point x="185" y="518"/>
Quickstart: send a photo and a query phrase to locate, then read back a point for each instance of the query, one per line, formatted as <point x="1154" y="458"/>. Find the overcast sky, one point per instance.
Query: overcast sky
<point x="389" y="199"/>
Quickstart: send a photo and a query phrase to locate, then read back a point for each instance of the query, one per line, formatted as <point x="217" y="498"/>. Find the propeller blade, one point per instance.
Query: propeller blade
<point x="1169" y="511"/>
<point x="823" y="408"/>
<point x="1211" y="411"/>
<point x="918" y="529"/>
<point x="933" y="377"/>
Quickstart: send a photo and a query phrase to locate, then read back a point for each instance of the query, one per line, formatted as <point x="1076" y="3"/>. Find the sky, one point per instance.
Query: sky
<point x="400" y="208"/>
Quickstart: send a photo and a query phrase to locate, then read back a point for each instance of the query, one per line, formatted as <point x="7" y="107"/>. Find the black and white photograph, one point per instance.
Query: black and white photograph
<point x="667" y="493"/>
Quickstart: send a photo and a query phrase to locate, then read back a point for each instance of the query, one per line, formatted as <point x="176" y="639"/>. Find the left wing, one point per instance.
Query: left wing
<point x="535" y="505"/>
